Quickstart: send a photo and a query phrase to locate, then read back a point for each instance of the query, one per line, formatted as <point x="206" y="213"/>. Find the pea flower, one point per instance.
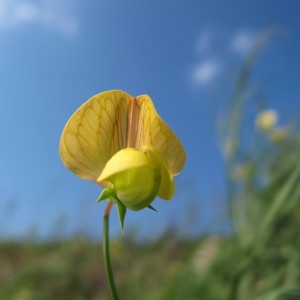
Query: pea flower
<point x="122" y="144"/>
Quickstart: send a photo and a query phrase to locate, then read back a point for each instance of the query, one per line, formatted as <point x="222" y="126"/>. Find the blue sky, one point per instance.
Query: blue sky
<point x="55" y="54"/>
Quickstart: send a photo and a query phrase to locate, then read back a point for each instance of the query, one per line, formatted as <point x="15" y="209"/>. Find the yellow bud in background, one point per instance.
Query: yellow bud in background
<point x="266" y="120"/>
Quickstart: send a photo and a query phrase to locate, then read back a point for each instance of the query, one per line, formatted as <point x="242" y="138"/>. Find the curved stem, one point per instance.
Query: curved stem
<point x="105" y="237"/>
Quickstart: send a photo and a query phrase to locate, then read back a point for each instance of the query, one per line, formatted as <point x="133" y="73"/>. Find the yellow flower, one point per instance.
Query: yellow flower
<point x="122" y="144"/>
<point x="266" y="119"/>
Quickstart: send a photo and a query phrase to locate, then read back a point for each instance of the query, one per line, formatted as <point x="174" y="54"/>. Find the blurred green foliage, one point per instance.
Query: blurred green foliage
<point x="75" y="269"/>
<point x="259" y="260"/>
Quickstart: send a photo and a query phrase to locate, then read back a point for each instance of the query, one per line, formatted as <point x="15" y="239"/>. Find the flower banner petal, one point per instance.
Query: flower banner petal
<point x="154" y="132"/>
<point x="96" y="131"/>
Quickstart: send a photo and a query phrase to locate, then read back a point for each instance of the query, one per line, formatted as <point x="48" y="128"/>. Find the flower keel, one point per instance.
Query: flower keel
<point x="132" y="177"/>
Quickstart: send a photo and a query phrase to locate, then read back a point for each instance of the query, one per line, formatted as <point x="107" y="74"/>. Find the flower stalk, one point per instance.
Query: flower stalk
<point x="106" y="254"/>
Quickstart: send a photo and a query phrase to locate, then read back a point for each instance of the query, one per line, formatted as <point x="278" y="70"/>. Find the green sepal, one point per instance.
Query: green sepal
<point x="151" y="207"/>
<point x="110" y="194"/>
<point x="121" y="212"/>
<point x="106" y="194"/>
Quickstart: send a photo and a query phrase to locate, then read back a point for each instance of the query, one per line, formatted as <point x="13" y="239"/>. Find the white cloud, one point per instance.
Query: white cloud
<point x="56" y="14"/>
<point x="210" y="65"/>
<point x="214" y="48"/>
<point x="243" y="41"/>
<point x="206" y="72"/>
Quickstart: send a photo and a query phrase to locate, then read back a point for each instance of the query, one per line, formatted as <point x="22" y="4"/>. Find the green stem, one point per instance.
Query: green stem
<point x="105" y="237"/>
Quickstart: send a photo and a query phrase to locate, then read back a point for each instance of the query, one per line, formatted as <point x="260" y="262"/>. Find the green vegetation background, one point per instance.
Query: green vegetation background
<point x="259" y="260"/>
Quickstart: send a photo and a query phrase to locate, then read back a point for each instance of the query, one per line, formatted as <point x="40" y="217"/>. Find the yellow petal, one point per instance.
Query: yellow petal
<point x="135" y="178"/>
<point x="96" y="131"/>
<point x="155" y="133"/>
<point x="167" y="185"/>
<point x="123" y="160"/>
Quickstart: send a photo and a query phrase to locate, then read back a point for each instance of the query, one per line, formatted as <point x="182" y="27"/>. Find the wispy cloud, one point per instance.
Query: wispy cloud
<point x="211" y="62"/>
<point x="243" y="41"/>
<point x="55" y="14"/>
<point x="206" y="71"/>
<point x="209" y="65"/>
